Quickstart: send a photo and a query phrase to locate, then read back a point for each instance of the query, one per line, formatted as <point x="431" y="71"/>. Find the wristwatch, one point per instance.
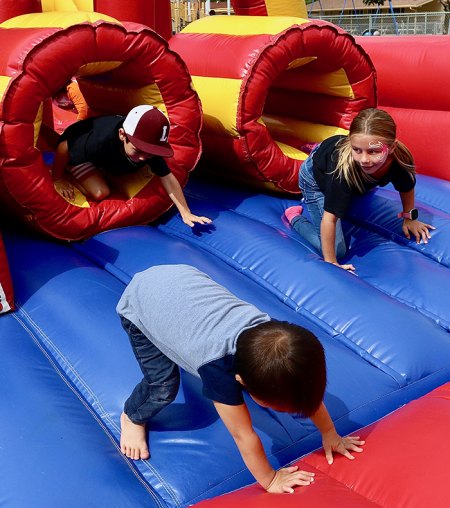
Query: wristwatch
<point x="413" y="214"/>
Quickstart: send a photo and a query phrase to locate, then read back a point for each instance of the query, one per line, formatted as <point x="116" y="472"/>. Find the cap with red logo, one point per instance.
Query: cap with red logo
<point x="148" y="128"/>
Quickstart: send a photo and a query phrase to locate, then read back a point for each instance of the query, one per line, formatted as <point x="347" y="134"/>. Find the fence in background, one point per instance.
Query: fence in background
<point x="413" y="23"/>
<point x="356" y="24"/>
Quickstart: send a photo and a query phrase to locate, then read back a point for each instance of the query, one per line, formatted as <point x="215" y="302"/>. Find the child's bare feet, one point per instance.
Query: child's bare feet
<point x="133" y="439"/>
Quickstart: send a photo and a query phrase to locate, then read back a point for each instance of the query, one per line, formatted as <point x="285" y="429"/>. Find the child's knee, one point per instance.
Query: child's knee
<point x="99" y="194"/>
<point x="168" y="391"/>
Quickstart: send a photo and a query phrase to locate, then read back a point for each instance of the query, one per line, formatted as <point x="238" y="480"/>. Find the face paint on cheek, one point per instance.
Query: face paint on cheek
<point x="379" y="158"/>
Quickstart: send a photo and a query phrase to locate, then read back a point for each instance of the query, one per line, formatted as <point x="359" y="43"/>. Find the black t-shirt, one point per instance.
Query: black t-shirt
<point x="219" y="381"/>
<point x="97" y="140"/>
<point x="338" y="193"/>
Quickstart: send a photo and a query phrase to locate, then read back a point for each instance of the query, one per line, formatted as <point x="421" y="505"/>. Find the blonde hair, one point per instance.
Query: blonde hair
<point x="372" y="122"/>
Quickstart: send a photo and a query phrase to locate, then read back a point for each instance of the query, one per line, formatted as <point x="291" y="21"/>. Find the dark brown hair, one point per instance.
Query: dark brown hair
<point x="283" y="365"/>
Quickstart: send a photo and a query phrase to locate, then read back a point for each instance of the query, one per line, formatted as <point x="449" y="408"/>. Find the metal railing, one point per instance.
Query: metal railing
<point x="388" y="24"/>
<point x="357" y="24"/>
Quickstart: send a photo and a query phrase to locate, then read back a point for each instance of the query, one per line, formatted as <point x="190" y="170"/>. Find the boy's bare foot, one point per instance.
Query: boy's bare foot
<point x="133" y="439"/>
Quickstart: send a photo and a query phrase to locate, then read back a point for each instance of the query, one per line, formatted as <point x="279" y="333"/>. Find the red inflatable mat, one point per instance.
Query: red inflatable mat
<point x="405" y="463"/>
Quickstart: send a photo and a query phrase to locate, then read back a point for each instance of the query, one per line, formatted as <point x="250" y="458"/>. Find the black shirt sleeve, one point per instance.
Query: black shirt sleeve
<point x="159" y="166"/>
<point x="219" y="383"/>
<point x="402" y="179"/>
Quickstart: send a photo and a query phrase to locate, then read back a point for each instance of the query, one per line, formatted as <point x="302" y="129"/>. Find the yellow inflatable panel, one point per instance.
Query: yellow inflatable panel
<point x="4" y="82"/>
<point x="94" y="68"/>
<point x="79" y="200"/>
<point x="291" y="152"/>
<point x="283" y="127"/>
<point x="243" y="25"/>
<point x="283" y="8"/>
<point x="55" y="19"/>
<point x="335" y="83"/>
<point x="220" y="98"/>
<point x="59" y="5"/>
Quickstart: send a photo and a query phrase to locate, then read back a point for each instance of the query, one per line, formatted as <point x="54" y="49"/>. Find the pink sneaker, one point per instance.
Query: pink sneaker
<point x="292" y="212"/>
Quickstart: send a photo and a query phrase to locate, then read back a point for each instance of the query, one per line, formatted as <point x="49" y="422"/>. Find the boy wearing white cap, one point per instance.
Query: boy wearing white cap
<point x="117" y="145"/>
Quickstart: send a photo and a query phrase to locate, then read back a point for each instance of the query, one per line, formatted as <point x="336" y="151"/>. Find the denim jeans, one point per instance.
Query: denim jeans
<point x="161" y="380"/>
<point x="313" y="199"/>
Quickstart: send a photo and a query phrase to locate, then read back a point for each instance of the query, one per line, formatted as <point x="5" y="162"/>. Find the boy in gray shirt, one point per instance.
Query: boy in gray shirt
<point x="231" y="346"/>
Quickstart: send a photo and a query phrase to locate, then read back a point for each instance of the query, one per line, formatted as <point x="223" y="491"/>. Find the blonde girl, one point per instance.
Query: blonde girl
<point x="344" y="166"/>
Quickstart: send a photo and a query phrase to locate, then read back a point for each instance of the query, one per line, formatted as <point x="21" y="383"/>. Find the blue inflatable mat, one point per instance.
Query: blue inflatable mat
<point x="415" y="275"/>
<point x="54" y="450"/>
<point x="385" y="335"/>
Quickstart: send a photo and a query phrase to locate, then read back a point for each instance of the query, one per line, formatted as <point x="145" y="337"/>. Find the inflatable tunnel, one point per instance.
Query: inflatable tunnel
<point x="270" y="88"/>
<point x="117" y="66"/>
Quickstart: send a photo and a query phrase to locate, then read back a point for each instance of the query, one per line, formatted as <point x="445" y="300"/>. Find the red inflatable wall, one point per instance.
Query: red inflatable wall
<point x="269" y="8"/>
<point x="152" y="13"/>
<point x="413" y="76"/>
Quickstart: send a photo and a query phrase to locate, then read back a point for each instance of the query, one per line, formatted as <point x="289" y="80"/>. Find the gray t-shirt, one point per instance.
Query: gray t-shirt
<point x="193" y="321"/>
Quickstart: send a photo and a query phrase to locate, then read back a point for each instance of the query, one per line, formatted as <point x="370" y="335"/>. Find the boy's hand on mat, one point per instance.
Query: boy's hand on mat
<point x="333" y="442"/>
<point x="287" y="478"/>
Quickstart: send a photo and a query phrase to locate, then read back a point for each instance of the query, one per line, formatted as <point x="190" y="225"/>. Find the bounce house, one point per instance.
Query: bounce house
<point x="247" y="96"/>
<point x="270" y="88"/>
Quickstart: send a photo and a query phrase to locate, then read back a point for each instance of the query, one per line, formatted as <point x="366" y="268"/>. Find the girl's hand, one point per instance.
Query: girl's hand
<point x="333" y="442"/>
<point x="344" y="267"/>
<point x="418" y="229"/>
<point x="288" y="477"/>
<point x="190" y="219"/>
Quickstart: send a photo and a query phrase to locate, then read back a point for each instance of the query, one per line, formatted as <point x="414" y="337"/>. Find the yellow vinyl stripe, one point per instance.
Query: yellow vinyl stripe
<point x="334" y="83"/>
<point x="37" y="124"/>
<point x="94" y="68"/>
<point x="286" y="8"/>
<point x="79" y="199"/>
<point x="299" y="62"/>
<point x="103" y="97"/>
<point x="243" y="25"/>
<point x="132" y="183"/>
<point x="58" y="5"/>
<point x="220" y="100"/>
<point x="291" y="152"/>
<point x="55" y="19"/>
<point x="280" y="126"/>
<point x="67" y="5"/>
<point x="4" y="82"/>
<point x="85" y="5"/>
